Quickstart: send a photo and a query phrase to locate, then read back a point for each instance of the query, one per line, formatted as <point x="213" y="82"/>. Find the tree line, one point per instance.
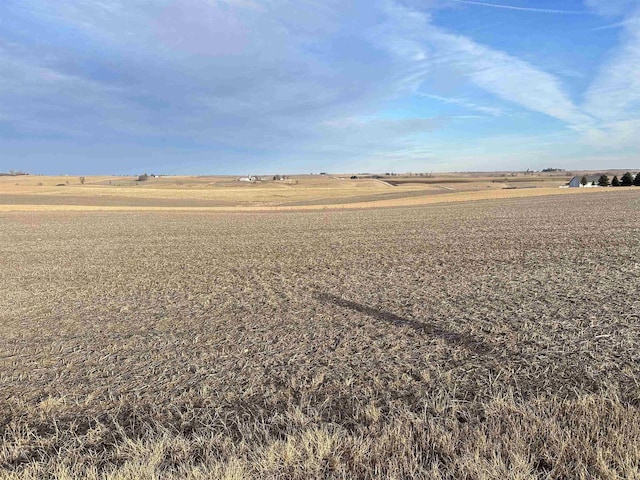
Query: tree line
<point x="627" y="180"/>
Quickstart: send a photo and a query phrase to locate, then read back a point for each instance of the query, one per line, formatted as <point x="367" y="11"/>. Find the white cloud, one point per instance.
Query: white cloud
<point x="614" y="95"/>
<point x="506" y="76"/>
<point x="466" y="103"/>
<point x="274" y="79"/>
<point x="611" y="110"/>
<point x="611" y="7"/>
<point x="615" y="135"/>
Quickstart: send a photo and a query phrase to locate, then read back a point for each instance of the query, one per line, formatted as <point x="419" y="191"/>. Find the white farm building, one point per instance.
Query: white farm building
<point x="576" y="182"/>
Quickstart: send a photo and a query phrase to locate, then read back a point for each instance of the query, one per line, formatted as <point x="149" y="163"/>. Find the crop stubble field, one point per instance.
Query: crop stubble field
<point x="475" y="340"/>
<point x="302" y="192"/>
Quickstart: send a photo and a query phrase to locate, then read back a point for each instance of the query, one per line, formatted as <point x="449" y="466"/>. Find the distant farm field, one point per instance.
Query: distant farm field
<point x="301" y="192"/>
<point x="472" y="340"/>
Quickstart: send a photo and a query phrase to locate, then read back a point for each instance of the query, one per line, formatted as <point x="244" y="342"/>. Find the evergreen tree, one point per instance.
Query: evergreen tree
<point x="636" y="181"/>
<point x="627" y="180"/>
<point x="615" y="182"/>
<point x="584" y="181"/>
<point x="603" y="181"/>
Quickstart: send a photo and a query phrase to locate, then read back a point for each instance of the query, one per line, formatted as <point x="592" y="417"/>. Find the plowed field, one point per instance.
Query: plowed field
<point x="488" y="339"/>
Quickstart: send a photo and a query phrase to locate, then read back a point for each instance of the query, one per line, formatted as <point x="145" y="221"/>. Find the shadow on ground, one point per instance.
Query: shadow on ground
<point x="464" y="340"/>
<point x="529" y="369"/>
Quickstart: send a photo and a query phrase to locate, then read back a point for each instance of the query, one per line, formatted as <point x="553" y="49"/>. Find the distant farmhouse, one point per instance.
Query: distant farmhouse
<point x="250" y="178"/>
<point x="576" y="182"/>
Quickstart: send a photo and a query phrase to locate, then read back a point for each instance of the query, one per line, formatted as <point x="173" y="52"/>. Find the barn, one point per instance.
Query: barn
<point x="576" y="181"/>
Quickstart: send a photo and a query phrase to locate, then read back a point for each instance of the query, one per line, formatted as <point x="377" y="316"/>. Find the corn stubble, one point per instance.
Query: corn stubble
<point x="479" y="340"/>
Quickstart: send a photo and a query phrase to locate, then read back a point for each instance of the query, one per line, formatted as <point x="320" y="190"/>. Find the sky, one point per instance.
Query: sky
<point x="301" y="86"/>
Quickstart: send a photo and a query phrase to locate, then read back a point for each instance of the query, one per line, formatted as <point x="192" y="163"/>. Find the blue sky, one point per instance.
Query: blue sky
<point x="261" y="86"/>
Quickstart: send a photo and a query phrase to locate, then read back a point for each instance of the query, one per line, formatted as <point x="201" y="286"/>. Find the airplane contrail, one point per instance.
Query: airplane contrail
<point x="613" y="25"/>
<point x="524" y="9"/>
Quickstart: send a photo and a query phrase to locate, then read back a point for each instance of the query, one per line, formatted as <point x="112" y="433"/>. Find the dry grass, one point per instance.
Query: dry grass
<point x="193" y="191"/>
<point x="476" y="340"/>
<point x="266" y="198"/>
<point x="225" y="193"/>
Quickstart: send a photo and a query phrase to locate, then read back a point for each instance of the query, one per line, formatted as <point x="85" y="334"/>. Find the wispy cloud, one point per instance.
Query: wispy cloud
<point x="611" y="7"/>
<point x="229" y="83"/>
<point x="497" y="72"/>
<point x="466" y="103"/>
<point x="614" y="95"/>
